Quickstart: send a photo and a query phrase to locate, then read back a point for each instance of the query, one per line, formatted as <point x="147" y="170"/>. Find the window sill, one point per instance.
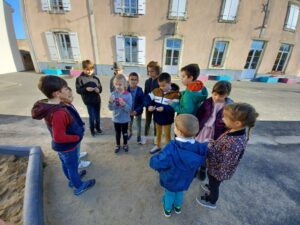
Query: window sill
<point x="129" y="15"/>
<point x="57" y="12"/>
<point x="177" y="18"/>
<point x="216" y="68"/>
<point x="289" y="30"/>
<point x="133" y="64"/>
<point x="227" y="21"/>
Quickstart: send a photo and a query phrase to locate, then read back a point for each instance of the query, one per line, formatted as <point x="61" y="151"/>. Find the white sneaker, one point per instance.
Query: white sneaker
<point x="84" y="164"/>
<point x="143" y="140"/>
<point x="82" y="154"/>
<point x="155" y="149"/>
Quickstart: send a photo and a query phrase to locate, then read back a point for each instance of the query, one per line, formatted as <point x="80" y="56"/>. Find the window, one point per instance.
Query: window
<point x="282" y="57"/>
<point x="173" y="47"/>
<point x="56" y="6"/>
<point x="63" y="46"/>
<point x="229" y="10"/>
<point x="291" y="17"/>
<point x="177" y="9"/>
<point x="130" y="7"/>
<point x="130" y="49"/>
<point x="219" y="54"/>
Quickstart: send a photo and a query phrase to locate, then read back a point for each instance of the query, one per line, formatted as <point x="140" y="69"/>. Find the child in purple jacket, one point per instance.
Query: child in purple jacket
<point x="210" y="116"/>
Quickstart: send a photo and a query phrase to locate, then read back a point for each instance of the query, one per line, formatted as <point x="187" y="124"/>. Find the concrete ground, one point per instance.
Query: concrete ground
<point x="264" y="189"/>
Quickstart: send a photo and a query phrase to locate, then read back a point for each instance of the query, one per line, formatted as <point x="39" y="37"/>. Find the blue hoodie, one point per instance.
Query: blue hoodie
<point x="177" y="164"/>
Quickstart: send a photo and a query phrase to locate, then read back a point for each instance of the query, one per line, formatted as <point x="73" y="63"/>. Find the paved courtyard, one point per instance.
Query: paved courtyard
<point x="264" y="190"/>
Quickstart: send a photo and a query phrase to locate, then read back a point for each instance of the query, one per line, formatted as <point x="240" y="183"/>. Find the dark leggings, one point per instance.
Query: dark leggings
<point x="214" y="185"/>
<point x="121" y="128"/>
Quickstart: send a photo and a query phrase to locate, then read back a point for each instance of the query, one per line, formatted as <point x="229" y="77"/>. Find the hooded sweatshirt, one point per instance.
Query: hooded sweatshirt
<point x="63" y="122"/>
<point x="178" y="162"/>
<point x="191" y="98"/>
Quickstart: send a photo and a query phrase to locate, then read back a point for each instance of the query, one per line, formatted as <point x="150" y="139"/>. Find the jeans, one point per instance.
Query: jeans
<point x="213" y="185"/>
<point x="159" y="130"/>
<point x="94" y="116"/>
<point x="121" y="128"/>
<point x="171" y="199"/>
<point x="148" y="123"/>
<point x="138" y="119"/>
<point x="69" y="161"/>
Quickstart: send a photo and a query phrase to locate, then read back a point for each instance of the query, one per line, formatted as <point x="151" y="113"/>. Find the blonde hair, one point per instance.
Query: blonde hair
<point x="243" y="112"/>
<point x="122" y="78"/>
<point x="187" y="124"/>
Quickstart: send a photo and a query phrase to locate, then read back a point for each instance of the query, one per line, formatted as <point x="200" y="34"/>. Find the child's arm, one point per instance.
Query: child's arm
<point x="127" y="103"/>
<point x="111" y="103"/>
<point x="162" y="160"/>
<point x="140" y="106"/>
<point x="80" y="88"/>
<point x="148" y="100"/>
<point x="99" y="86"/>
<point x="60" y="122"/>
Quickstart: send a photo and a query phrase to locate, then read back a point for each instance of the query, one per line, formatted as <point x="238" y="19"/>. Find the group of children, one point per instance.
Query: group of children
<point x="210" y="133"/>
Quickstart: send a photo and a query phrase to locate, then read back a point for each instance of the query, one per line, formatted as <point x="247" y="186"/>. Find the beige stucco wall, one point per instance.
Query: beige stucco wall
<point x="74" y="21"/>
<point x="10" y="56"/>
<point x="198" y="32"/>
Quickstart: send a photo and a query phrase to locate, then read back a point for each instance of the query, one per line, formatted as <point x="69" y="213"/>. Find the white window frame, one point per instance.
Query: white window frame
<point x="167" y="48"/>
<point x="177" y="14"/>
<point x="281" y="52"/>
<point x="225" y="54"/>
<point x="292" y="17"/>
<point x="121" y="49"/>
<point x="47" y="5"/>
<point x="55" y="53"/>
<point x="119" y="7"/>
<point x="230" y="7"/>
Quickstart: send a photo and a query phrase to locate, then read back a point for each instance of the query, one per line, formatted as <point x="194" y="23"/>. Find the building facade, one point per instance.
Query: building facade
<point x="239" y="38"/>
<point x="11" y="60"/>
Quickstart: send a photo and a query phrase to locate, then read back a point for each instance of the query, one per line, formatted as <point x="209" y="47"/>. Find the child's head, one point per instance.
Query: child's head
<point x="153" y="69"/>
<point x="118" y="68"/>
<point x="88" y="67"/>
<point x="133" y="79"/>
<point x="239" y="115"/>
<point x="189" y="73"/>
<point x="164" y="82"/>
<point x="120" y="83"/>
<point x="53" y="87"/>
<point x="221" y="91"/>
<point x="186" y="125"/>
<point x="69" y="98"/>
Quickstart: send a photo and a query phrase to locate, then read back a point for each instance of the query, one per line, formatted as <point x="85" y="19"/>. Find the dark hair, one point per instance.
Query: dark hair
<point x="164" y="77"/>
<point x="192" y="70"/>
<point x="86" y="63"/>
<point x="50" y="84"/>
<point x="243" y="112"/>
<point x="133" y="74"/>
<point x="222" y="88"/>
<point x="155" y="66"/>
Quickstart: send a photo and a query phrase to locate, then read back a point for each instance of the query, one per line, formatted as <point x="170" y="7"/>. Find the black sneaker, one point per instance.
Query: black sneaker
<point x="117" y="148"/>
<point x="177" y="210"/>
<point x="85" y="186"/>
<point x="139" y="140"/>
<point x="82" y="173"/>
<point x="205" y="188"/>
<point x="99" y="131"/>
<point x="167" y="213"/>
<point x="93" y="133"/>
<point x="125" y="147"/>
<point x="203" y="201"/>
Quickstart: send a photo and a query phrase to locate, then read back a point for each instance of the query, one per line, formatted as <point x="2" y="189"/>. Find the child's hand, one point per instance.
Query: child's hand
<point x="160" y="109"/>
<point x="90" y="89"/>
<point x="133" y="113"/>
<point x="151" y="108"/>
<point x="111" y="99"/>
<point x="97" y="90"/>
<point x="122" y="102"/>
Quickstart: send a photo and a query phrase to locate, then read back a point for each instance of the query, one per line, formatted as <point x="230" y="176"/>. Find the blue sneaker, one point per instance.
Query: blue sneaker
<point x="85" y="186"/>
<point x="82" y="173"/>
